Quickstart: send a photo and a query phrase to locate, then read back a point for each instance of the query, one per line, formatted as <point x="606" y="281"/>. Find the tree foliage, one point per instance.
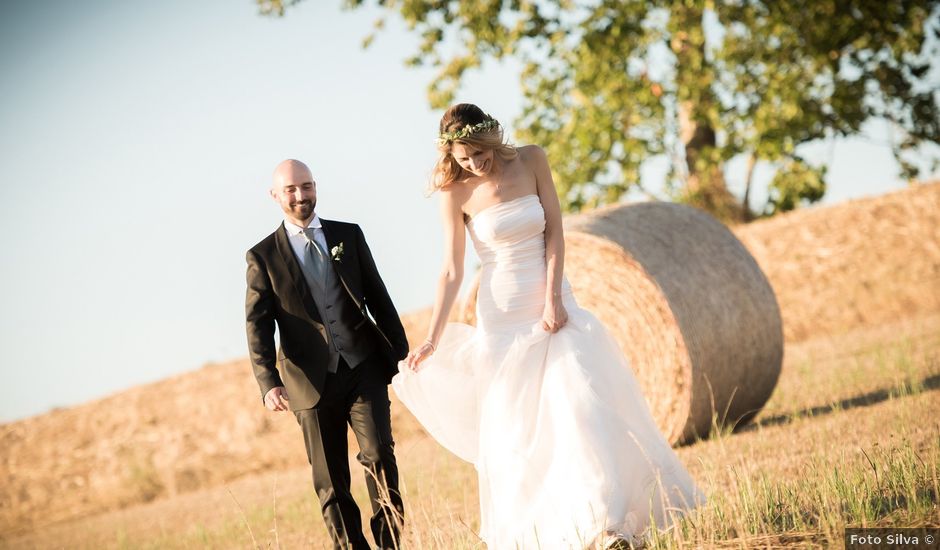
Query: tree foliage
<point x="609" y="84"/>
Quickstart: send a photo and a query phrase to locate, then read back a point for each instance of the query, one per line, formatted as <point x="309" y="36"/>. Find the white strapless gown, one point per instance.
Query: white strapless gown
<point x="556" y="424"/>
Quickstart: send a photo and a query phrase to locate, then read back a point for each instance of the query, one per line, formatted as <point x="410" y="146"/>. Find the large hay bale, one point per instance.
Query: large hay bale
<point x="689" y="306"/>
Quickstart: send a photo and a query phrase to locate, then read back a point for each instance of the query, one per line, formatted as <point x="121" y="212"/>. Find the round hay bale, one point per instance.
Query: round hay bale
<point x="689" y="306"/>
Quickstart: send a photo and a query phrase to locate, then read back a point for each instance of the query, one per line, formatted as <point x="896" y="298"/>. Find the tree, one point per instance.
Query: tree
<point x="609" y="84"/>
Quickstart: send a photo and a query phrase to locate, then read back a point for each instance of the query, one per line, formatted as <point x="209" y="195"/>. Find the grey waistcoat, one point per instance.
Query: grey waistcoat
<point x="349" y="336"/>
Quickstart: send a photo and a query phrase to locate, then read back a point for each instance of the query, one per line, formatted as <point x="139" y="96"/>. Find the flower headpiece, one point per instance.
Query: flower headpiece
<point x="457" y="135"/>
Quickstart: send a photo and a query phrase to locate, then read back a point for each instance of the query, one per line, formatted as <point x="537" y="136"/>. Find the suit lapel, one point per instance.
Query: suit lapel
<point x="296" y="274"/>
<point x="334" y="238"/>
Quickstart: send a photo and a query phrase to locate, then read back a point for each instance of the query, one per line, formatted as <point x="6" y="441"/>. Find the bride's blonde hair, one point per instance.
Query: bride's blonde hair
<point x="468" y="124"/>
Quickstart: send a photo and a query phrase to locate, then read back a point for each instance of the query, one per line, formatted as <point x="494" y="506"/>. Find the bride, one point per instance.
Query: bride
<point x="538" y="396"/>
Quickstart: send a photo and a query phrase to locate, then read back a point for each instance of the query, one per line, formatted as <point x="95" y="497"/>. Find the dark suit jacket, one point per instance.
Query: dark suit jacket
<point x="278" y="294"/>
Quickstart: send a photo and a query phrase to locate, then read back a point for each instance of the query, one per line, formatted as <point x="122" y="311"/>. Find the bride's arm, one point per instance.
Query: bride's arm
<point x="554" y="316"/>
<point x="448" y="285"/>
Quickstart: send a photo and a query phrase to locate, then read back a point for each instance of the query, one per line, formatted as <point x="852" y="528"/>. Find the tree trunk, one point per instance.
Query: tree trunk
<point x="705" y="187"/>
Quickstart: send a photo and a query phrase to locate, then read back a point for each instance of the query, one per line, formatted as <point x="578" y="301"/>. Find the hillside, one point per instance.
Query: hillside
<point x="864" y="262"/>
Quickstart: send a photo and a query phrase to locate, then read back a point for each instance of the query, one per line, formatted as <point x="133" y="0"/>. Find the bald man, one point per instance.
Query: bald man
<point x="315" y="280"/>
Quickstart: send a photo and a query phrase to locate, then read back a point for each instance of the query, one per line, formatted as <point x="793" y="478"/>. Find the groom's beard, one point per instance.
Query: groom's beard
<point x="303" y="209"/>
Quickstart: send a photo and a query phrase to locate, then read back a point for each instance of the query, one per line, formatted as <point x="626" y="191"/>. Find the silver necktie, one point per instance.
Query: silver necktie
<point x="316" y="258"/>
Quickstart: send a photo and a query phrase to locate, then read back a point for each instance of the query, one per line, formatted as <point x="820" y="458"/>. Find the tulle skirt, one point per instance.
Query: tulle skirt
<point x="558" y="429"/>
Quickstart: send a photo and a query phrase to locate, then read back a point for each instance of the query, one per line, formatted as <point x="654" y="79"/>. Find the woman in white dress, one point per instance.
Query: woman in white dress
<point x="538" y="395"/>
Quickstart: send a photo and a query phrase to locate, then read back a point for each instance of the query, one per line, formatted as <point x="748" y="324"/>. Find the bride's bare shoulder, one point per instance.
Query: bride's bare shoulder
<point x="531" y="154"/>
<point x="457" y="191"/>
<point x="455" y="195"/>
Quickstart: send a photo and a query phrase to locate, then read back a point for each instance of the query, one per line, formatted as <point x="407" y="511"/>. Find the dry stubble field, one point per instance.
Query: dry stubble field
<point x="850" y="437"/>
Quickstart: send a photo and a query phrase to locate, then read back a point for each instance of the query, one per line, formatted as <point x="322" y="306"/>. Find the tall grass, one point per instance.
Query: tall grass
<point x="897" y="486"/>
<point x="850" y="438"/>
<point x="876" y="486"/>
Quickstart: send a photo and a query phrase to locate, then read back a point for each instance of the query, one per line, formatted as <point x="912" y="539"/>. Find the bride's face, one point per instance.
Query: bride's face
<point x="478" y="162"/>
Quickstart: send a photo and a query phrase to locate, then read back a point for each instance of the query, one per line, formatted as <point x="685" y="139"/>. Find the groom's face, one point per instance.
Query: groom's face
<point x="296" y="192"/>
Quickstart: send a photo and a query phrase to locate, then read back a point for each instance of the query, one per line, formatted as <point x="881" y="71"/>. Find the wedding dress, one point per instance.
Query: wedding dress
<point x="556" y="424"/>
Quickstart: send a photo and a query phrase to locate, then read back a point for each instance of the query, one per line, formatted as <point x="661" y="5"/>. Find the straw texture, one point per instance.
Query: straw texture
<point x="689" y="306"/>
<point x="865" y="262"/>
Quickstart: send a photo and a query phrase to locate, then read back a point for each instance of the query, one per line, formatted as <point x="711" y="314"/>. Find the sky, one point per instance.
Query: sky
<point x="137" y="142"/>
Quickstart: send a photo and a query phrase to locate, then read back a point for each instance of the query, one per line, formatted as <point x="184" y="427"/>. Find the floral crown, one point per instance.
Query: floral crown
<point x="456" y="135"/>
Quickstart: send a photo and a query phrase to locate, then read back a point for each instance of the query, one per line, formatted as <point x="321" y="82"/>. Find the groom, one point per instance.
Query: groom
<point x="315" y="279"/>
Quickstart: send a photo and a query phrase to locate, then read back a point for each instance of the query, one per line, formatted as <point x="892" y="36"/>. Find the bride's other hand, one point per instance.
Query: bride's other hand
<point x="415" y="357"/>
<point x="554" y="317"/>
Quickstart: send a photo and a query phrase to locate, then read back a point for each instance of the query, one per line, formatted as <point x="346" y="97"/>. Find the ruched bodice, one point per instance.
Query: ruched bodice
<point x="509" y="238"/>
<point x="555" y="423"/>
<point x="509" y="231"/>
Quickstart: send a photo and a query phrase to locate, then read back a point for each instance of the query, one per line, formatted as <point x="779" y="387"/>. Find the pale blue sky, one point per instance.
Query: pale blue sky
<point x="136" y="146"/>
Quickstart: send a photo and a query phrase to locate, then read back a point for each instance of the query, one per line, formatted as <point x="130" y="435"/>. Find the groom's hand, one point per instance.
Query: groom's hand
<point x="276" y="399"/>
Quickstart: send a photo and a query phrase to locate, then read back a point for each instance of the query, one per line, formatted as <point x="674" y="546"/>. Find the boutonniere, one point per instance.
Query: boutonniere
<point x="337" y="252"/>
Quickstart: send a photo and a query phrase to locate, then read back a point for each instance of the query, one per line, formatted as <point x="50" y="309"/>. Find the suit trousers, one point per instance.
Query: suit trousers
<point x="358" y="397"/>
